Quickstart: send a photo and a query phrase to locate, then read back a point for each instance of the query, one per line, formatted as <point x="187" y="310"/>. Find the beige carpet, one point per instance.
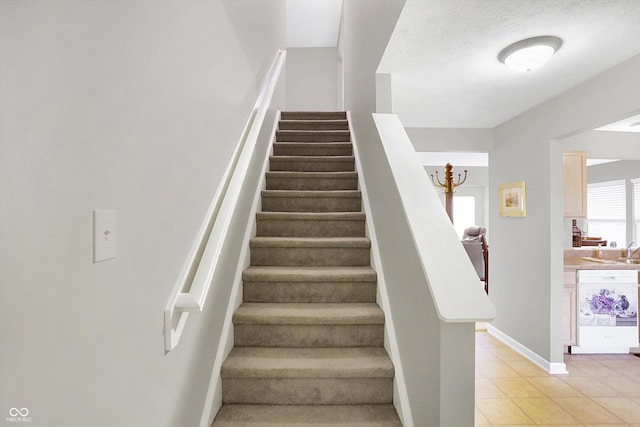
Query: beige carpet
<point x="309" y="335"/>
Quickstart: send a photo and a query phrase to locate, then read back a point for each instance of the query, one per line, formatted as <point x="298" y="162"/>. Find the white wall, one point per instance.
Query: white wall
<point x="432" y="376"/>
<point x="526" y="253"/>
<point x="476" y="185"/>
<point x="133" y="106"/>
<point x="312" y="79"/>
<point x="624" y="169"/>
<point x="472" y="140"/>
<point x="605" y="144"/>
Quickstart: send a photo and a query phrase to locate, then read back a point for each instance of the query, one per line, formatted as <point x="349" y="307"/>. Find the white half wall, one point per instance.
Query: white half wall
<point x="312" y="79"/>
<point x="367" y="25"/>
<point x="134" y="106"/>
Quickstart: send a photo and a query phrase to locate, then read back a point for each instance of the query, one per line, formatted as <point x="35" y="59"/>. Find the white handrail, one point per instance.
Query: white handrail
<point x="453" y="282"/>
<point x="196" y="277"/>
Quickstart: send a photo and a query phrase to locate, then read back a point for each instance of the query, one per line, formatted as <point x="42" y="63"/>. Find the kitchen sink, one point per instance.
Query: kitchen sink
<point x="630" y="260"/>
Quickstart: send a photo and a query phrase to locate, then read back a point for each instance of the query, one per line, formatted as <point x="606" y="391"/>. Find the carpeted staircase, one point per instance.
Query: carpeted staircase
<point x="309" y="335"/>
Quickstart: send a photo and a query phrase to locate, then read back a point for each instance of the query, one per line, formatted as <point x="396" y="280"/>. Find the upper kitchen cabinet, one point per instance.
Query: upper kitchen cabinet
<point x="575" y="184"/>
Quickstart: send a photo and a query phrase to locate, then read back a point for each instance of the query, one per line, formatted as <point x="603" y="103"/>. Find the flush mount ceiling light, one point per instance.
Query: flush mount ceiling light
<point x="529" y="54"/>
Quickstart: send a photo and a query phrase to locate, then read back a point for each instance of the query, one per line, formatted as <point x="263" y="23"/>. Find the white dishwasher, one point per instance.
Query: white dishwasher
<point x="607" y="310"/>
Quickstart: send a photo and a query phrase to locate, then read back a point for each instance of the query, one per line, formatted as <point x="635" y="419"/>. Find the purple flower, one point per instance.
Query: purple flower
<point x="604" y="303"/>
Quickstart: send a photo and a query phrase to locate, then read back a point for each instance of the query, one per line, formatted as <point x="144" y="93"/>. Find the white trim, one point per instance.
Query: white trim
<point x="213" y="401"/>
<point x="401" y="395"/>
<point x="552" y="368"/>
<point x="599" y="350"/>
<point x="191" y="290"/>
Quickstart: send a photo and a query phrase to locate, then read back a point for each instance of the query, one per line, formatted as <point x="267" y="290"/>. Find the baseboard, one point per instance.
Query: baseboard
<point x="400" y="393"/>
<point x="481" y="326"/>
<point x="213" y="400"/>
<point x="551" y="368"/>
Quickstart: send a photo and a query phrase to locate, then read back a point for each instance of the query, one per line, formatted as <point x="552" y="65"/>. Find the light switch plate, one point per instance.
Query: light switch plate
<point x="104" y="235"/>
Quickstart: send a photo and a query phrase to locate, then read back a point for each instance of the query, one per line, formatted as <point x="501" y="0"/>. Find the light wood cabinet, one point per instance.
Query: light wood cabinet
<point x="569" y="312"/>
<point x="574" y="181"/>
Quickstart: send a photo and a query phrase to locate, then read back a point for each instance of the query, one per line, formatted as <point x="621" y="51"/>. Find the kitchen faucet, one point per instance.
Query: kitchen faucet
<point x="629" y="252"/>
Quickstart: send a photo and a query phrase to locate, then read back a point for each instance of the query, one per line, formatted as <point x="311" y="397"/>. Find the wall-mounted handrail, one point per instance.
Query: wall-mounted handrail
<point x="453" y="282"/>
<point x="197" y="275"/>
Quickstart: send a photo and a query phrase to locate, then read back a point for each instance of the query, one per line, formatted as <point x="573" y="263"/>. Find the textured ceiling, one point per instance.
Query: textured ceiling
<point x="442" y="55"/>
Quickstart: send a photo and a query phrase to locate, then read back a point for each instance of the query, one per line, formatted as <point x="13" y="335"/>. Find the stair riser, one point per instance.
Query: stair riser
<point x="285" y="164"/>
<point x="332" y="149"/>
<point x="305" y="415"/>
<point x="311" y="292"/>
<point x="311" y="204"/>
<point x="311" y="228"/>
<point x="252" y="335"/>
<point x="312" y="136"/>
<point x="313" y="115"/>
<point x="300" y="391"/>
<point x="319" y="184"/>
<point x="310" y="257"/>
<point x="313" y="125"/>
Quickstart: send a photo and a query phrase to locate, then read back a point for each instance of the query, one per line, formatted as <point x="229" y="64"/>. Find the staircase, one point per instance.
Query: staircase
<point x="309" y="335"/>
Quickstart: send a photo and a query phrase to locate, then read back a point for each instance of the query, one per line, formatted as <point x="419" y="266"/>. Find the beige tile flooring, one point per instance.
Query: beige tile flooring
<point x="600" y="390"/>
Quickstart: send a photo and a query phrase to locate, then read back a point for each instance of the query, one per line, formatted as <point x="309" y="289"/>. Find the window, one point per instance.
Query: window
<point x="636" y="208"/>
<point x="607" y="211"/>
<point x="464" y="213"/>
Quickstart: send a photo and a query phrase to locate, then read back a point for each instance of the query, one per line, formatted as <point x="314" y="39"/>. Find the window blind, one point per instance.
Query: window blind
<point x="636" y="197"/>
<point x="607" y="200"/>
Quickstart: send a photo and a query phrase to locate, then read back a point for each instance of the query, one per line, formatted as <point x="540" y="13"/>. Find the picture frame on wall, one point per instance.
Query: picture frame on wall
<point x="512" y="199"/>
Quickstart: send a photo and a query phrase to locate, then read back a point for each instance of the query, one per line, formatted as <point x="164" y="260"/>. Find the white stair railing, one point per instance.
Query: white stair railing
<point x="197" y="275"/>
<point x="452" y="281"/>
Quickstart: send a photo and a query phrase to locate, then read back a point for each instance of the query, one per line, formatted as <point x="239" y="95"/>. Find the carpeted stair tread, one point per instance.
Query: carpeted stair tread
<point x="310" y="224"/>
<point x="312" y="149"/>
<point x="309" y="274"/>
<point x="283" y="362"/>
<point x="335" y="159"/>
<point x="309" y="314"/>
<point x="312" y="163"/>
<point x="312" y="216"/>
<point x="309" y="284"/>
<point x="313" y="135"/>
<point x="310" y="242"/>
<point x="381" y="415"/>
<point x="311" y="200"/>
<point x="312" y="181"/>
<point x="314" y="124"/>
<point x="313" y="115"/>
<point x="311" y="193"/>
<point x="237" y="415"/>
<point x="310" y="251"/>
<point x="312" y="175"/>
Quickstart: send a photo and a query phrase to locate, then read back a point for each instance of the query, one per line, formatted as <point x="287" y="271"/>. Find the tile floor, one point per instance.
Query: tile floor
<point x="600" y="390"/>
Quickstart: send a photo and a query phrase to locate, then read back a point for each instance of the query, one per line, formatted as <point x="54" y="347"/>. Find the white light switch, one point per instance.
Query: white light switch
<point x="104" y="235"/>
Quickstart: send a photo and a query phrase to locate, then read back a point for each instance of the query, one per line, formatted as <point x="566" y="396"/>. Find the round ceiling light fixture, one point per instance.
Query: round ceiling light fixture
<point x="529" y="54"/>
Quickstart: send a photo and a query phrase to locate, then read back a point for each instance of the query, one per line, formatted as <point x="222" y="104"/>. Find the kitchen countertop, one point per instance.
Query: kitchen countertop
<point x="578" y="263"/>
<point x="586" y="258"/>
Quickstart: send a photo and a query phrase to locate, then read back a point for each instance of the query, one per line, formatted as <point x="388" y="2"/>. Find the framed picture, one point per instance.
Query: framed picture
<point x="513" y="200"/>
